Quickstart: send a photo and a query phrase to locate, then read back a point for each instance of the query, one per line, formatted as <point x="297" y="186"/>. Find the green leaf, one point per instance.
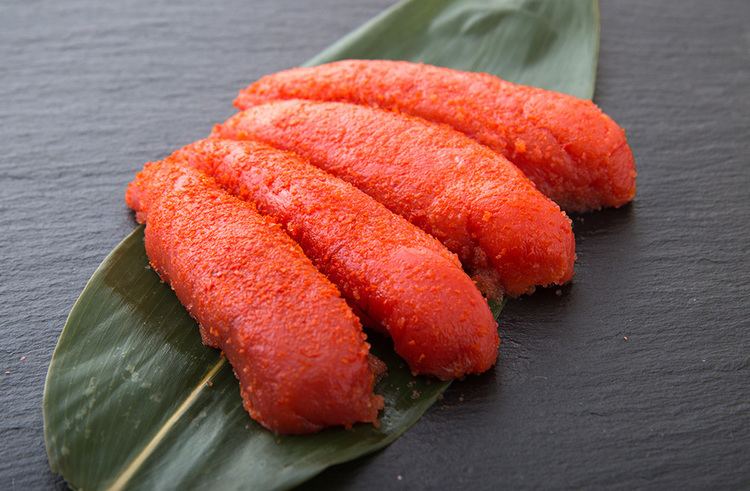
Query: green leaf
<point x="134" y="400"/>
<point x="549" y="44"/>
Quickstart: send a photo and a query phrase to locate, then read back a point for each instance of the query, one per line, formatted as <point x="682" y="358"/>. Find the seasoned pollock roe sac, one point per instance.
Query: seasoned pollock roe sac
<point x="296" y="347"/>
<point x="467" y="196"/>
<point x="394" y="273"/>
<point x="573" y="152"/>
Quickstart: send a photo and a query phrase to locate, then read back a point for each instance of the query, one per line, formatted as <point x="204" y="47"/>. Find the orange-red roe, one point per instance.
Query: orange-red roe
<point x="398" y="276"/>
<point x="470" y="198"/>
<point x="296" y="347"/>
<point x="574" y="153"/>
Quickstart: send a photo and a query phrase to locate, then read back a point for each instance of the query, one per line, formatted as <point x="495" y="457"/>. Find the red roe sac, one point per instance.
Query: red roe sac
<point x="393" y="273"/>
<point x="574" y="153"/>
<point x="478" y="204"/>
<point x="296" y="347"/>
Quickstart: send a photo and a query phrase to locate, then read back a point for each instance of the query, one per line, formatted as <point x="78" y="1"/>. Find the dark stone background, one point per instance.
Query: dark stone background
<point x="637" y="376"/>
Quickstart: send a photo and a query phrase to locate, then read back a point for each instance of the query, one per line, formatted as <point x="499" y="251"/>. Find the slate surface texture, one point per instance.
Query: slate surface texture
<point x="637" y="376"/>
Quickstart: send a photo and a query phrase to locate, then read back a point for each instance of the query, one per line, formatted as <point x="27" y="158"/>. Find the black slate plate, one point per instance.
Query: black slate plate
<point x="89" y="90"/>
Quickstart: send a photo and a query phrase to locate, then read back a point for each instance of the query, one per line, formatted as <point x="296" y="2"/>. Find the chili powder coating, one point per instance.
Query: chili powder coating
<point x="397" y="275"/>
<point x="296" y="347"/>
<point x="470" y="198"/>
<point x="576" y="154"/>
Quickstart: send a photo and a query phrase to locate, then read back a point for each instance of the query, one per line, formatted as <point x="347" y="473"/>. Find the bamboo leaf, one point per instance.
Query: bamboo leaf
<point x="134" y="400"/>
<point x="549" y="44"/>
